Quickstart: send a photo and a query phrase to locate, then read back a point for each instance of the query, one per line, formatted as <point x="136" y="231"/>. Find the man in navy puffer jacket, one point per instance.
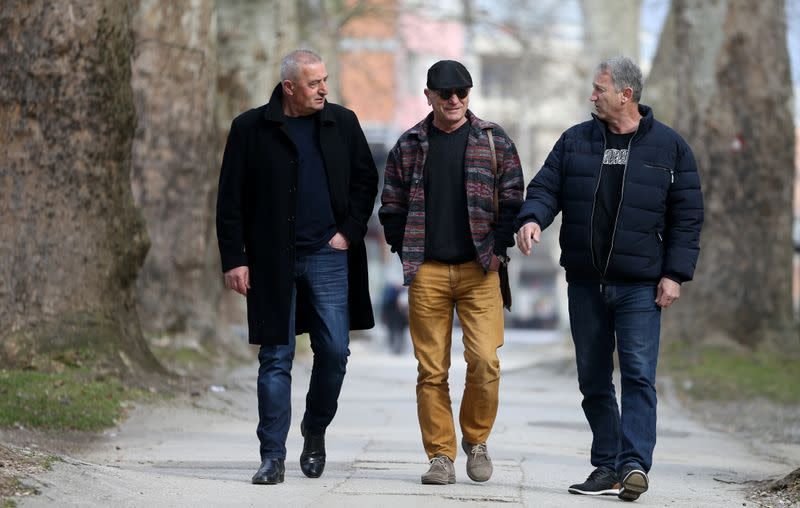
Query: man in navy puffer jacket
<point x="628" y="188"/>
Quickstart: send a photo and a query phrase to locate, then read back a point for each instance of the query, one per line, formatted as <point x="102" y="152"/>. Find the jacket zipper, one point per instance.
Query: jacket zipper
<point x="594" y="203"/>
<point x="619" y="206"/>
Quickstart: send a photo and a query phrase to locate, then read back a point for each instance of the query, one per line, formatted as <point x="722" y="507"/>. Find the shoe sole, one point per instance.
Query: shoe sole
<point x="479" y="480"/>
<point x="268" y="482"/>
<point x="312" y="475"/>
<point x="607" y="492"/>
<point x="431" y="481"/>
<point x="633" y="486"/>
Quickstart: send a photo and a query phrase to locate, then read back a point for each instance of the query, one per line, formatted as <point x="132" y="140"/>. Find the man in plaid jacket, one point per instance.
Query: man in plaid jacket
<point x="438" y="214"/>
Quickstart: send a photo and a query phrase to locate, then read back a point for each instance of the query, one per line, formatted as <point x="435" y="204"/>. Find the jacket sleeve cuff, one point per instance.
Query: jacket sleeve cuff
<point x="230" y="262"/>
<point x="673" y="277"/>
<point x="521" y="221"/>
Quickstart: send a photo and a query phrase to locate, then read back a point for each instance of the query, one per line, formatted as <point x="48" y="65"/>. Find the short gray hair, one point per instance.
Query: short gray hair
<point x="624" y="73"/>
<point x="291" y="63"/>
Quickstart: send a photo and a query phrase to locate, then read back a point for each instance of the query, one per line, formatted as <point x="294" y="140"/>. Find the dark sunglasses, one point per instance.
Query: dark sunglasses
<point x="447" y="93"/>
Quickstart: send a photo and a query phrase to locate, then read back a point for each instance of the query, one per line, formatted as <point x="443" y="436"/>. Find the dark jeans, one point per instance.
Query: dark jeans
<point x="323" y="277"/>
<point x="598" y="314"/>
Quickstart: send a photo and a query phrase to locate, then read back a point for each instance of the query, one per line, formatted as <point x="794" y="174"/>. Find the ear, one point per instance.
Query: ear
<point x="428" y="97"/>
<point x="288" y="87"/>
<point x="627" y="94"/>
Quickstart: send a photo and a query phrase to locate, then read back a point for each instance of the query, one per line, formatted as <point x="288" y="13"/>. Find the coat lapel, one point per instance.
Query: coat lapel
<point x="331" y="146"/>
<point x="328" y="141"/>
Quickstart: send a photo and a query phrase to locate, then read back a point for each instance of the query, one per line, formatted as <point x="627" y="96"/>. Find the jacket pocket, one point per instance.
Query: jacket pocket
<point x="669" y="171"/>
<point x="658" y="253"/>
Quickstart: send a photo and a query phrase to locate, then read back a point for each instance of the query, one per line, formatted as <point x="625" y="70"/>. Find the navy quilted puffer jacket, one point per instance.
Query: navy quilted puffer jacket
<point x="657" y="231"/>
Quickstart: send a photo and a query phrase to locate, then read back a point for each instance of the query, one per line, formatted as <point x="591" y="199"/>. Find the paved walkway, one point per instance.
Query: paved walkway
<point x="202" y="451"/>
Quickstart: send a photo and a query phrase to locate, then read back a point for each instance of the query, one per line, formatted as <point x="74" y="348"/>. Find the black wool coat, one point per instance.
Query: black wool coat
<point x="257" y="202"/>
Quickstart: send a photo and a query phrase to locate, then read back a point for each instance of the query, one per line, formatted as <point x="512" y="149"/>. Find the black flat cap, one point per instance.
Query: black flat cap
<point x="446" y="74"/>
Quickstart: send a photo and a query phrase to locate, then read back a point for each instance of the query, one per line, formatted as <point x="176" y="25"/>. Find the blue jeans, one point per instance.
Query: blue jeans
<point x="323" y="278"/>
<point x="597" y="315"/>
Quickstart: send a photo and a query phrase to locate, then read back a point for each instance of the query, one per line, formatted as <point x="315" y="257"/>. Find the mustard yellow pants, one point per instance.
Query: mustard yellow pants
<point x="436" y="290"/>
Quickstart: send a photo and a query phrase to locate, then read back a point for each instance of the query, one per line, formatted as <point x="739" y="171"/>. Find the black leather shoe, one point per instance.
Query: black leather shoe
<point x="312" y="460"/>
<point x="634" y="482"/>
<point x="270" y="472"/>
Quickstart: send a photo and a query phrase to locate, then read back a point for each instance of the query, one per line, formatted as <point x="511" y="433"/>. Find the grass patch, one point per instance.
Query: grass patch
<point x="715" y="372"/>
<point x="74" y="399"/>
<point x="47" y="463"/>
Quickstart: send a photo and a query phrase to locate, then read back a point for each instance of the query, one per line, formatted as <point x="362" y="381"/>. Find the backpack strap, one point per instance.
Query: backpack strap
<point x="494" y="173"/>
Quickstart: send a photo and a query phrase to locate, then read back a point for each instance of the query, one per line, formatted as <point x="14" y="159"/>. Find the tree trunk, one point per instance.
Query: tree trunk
<point x="175" y="165"/>
<point x="71" y="241"/>
<point x="721" y="78"/>
<point x="610" y="31"/>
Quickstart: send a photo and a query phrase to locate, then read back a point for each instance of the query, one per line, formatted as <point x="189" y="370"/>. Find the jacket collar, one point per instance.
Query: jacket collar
<point x="421" y="129"/>
<point x="645" y="123"/>
<point x="273" y="110"/>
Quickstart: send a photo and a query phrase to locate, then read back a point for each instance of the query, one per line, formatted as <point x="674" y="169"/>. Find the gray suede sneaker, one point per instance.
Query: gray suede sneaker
<point x="441" y="471"/>
<point x="479" y="464"/>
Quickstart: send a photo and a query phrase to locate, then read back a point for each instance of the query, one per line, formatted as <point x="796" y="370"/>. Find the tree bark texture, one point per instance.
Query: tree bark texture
<point x="71" y="241"/>
<point x="174" y="166"/>
<point x="721" y="78"/>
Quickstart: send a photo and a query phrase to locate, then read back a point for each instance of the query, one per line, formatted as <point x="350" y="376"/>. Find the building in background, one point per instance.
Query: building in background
<point x="535" y="95"/>
<point x="385" y="55"/>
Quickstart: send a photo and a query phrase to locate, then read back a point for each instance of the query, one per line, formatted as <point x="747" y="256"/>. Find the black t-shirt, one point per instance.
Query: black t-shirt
<point x="315" y="224"/>
<point x="609" y="193"/>
<point x="448" y="238"/>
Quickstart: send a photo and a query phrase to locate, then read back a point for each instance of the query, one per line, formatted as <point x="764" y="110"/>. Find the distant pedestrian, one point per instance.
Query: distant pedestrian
<point x="629" y="191"/>
<point x="394" y="314"/>
<point x="296" y="189"/>
<point x="446" y="181"/>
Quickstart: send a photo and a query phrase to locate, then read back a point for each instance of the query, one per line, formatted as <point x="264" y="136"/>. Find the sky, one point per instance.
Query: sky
<point x="793" y="38"/>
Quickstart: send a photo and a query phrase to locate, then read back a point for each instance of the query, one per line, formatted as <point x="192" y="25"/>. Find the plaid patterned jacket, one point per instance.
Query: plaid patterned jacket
<point x="403" y="199"/>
